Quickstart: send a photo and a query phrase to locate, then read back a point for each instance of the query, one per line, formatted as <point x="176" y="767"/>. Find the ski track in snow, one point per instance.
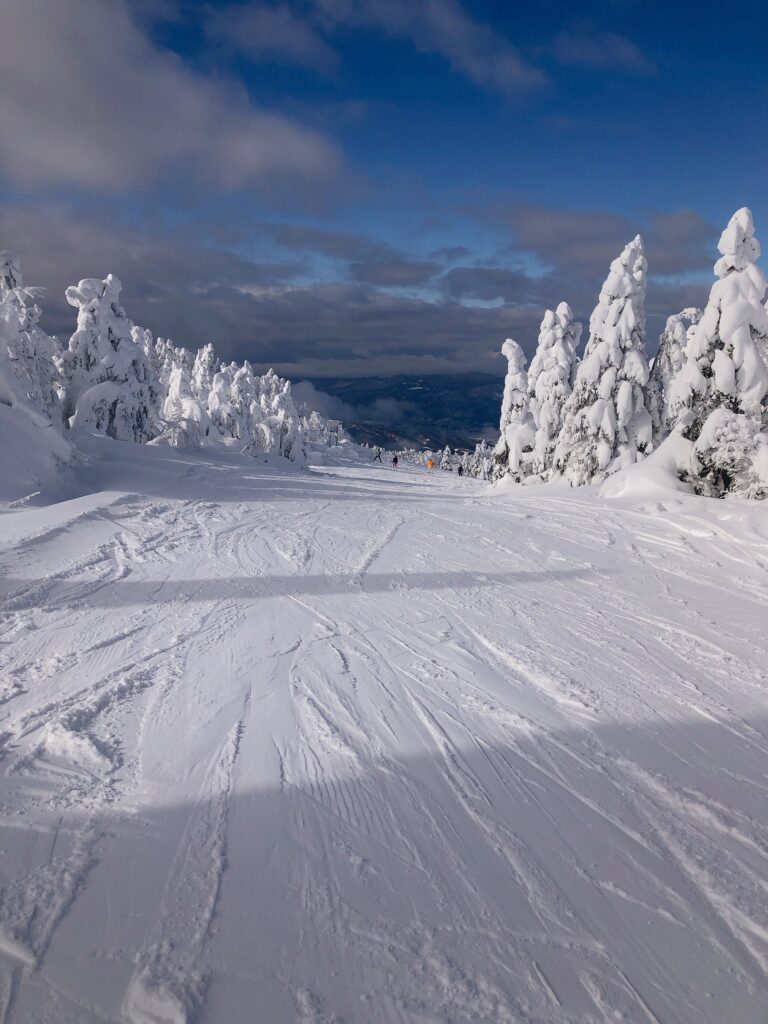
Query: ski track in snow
<point x="362" y="746"/>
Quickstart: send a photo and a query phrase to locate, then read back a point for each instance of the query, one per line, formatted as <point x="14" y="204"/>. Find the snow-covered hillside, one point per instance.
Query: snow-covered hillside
<point x="359" y="745"/>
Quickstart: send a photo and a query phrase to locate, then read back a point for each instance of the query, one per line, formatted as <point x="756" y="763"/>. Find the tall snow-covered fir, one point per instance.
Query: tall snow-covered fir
<point x="28" y="352"/>
<point x="607" y="424"/>
<point x="666" y="365"/>
<point x="110" y="386"/>
<point x="32" y="445"/>
<point x="551" y="376"/>
<point x="719" y="395"/>
<point x="516" y="426"/>
<point x="723" y="365"/>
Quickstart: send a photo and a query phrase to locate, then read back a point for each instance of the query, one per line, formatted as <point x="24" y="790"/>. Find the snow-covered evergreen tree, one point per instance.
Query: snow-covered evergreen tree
<point x="720" y="394"/>
<point x="203" y="372"/>
<point x="761" y="340"/>
<point x="27" y="351"/>
<point x="143" y="338"/>
<point x="281" y="418"/>
<point x="723" y="365"/>
<point x="10" y="271"/>
<point x="314" y="426"/>
<point x="481" y="462"/>
<point x="667" y="364"/>
<point x="606" y="422"/>
<point x="166" y="360"/>
<point x="243" y="398"/>
<point x="220" y="409"/>
<point x="186" y="423"/>
<point x="550" y="382"/>
<point x="446" y="458"/>
<point x="109" y="386"/>
<point x="516" y="425"/>
<point x="32" y="444"/>
<point x="730" y="455"/>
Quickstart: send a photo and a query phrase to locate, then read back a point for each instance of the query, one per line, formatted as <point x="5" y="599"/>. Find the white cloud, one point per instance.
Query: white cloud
<point x="89" y="100"/>
<point x="601" y="50"/>
<point x="271" y="33"/>
<point x="443" y="27"/>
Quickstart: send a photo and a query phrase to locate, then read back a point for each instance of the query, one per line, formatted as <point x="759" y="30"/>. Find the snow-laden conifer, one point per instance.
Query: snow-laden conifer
<point x="719" y="395"/>
<point x="550" y="381"/>
<point x="109" y="386"/>
<point x="243" y="398"/>
<point x="32" y="444"/>
<point x="166" y="360"/>
<point x="220" y="409"/>
<point x="481" y="462"/>
<point x="516" y="425"/>
<point x="281" y="422"/>
<point x="142" y="336"/>
<point x="314" y="426"/>
<point x="606" y="422"/>
<point x="666" y="365"/>
<point x="28" y="353"/>
<point x="205" y="368"/>
<point x="186" y="423"/>
<point x="730" y="455"/>
<point x="723" y="365"/>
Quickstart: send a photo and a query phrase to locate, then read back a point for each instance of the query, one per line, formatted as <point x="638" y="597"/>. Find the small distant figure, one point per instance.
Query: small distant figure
<point x="377" y="457"/>
<point x="394" y="462"/>
<point x="430" y="463"/>
<point x="460" y="470"/>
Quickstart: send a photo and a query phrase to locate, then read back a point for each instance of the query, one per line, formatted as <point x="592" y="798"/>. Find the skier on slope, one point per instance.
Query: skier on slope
<point x="394" y="462"/>
<point x="460" y="470"/>
<point x="430" y="464"/>
<point x="377" y="457"/>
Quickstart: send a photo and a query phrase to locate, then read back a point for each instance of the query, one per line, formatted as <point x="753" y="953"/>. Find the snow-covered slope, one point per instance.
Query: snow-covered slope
<point x="371" y="746"/>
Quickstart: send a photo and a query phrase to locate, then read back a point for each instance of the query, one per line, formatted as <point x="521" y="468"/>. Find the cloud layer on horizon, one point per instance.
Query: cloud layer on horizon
<point x="390" y="313"/>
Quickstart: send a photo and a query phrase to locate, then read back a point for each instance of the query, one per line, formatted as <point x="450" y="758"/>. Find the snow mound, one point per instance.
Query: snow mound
<point x="656" y="477"/>
<point x="32" y="451"/>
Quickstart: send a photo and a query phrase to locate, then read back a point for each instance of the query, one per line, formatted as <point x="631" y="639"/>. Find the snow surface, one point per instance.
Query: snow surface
<point x="362" y="745"/>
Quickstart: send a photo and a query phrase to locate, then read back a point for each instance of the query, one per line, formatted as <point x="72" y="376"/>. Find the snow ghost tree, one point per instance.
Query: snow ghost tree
<point x="730" y="455"/>
<point x="220" y="409"/>
<point x="719" y="395"/>
<point x="28" y="352"/>
<point x="667" y="364"/>
<point x="185" y="419"/>
<point x="281" y="418"/>
<point x="550" y="381"/>
<point x="516" y="425"/>
<point x="203" y="372"/>
<point x="242" y="397"/>
<point x="32" y="445"/>
<point x="10" y="271"/>
<point x="166" y="360"/>
<point x="606" y="422"/>
<point x="143" y="338"/>
<point x="109" y="386"/>
<point x="314" y="427"/>
<point x="723" y="366"/>
<point x="481" y="461"/>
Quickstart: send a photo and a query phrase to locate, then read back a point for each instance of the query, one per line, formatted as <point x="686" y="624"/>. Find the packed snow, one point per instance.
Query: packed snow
<point x="368" y="745"/>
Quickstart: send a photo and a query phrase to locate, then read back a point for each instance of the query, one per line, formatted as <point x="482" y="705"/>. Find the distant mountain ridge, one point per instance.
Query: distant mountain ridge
<point x="424" y="411"/>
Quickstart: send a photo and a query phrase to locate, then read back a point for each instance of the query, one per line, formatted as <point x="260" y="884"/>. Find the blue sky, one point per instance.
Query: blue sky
<point x="344" y="187"/>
